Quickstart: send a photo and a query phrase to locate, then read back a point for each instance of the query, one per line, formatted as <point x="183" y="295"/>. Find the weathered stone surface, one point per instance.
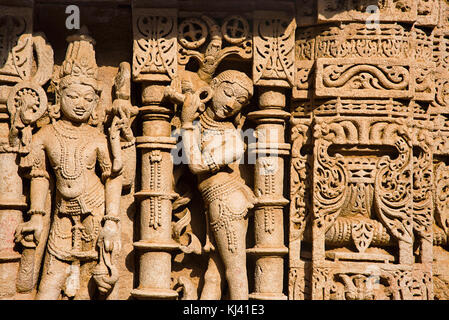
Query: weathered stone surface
<point x="224" y="150"/>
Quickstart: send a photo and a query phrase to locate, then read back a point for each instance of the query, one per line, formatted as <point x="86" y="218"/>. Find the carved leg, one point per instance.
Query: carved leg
<point x="213" y="279"/>
<point x="234" y="262"/>
<point x="87" y="287"/>
<point x="54" y="276"/>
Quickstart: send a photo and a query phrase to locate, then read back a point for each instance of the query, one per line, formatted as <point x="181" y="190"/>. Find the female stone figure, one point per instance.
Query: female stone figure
<point x="214" y="147"/>
<point x="86" y="206"/>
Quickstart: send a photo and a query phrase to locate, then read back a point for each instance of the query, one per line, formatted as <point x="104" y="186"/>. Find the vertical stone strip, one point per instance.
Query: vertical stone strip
<point x="154" y="65"/>
<point x="273" y="71"/>
<point x="12" y="199"/>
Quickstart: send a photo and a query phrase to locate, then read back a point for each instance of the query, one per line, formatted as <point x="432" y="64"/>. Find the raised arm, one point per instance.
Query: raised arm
<point x="222" y="150"/>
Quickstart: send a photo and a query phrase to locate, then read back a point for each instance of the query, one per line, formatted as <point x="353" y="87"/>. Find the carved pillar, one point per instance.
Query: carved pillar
<point x="273" y="71"/>
<point x="154" y="64"/>
<point x="12" y="202"/>
<point x="15" y="30"/>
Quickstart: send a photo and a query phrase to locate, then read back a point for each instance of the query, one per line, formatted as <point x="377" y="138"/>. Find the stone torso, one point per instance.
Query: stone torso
<point x="72" y="153"/>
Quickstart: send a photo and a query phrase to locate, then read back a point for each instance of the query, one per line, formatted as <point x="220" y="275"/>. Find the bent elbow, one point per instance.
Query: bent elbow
<point x="197" y="169"/>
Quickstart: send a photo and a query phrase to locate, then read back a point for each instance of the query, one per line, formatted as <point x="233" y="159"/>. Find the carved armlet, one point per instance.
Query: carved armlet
<point x="112" y="218"/>
<point x="128" y="144"/>
<point x="32" y="212"/>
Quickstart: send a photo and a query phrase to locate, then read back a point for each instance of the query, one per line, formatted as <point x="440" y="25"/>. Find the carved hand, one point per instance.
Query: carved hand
<point x="29" y="233"/>
<point x="106" y="272"/>
<point x="192" y="104"/>
<point x="110" y="236"/>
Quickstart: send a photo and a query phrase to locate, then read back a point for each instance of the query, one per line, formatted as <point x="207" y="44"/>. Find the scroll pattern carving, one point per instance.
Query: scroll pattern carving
<point x="330" y="178"/>
<point x="393" y="193"/>
<point x="300" y="167"/>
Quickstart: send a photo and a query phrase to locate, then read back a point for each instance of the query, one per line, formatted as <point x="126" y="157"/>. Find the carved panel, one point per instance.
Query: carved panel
<point x="274" y="53"/>
<point x="155" y="45"/>
<point x="16" y="46"/>
<point x="359" y="10"/>
<point x="369" y="78"/>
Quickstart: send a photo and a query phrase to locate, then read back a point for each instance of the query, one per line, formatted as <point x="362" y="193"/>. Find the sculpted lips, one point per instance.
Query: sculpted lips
<point x="227" y="109"/>
<point x="79" y="111"/>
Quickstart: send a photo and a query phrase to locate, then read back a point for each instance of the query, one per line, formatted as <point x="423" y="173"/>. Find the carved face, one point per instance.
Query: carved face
<point x="78" y="102"/>
<point x="228" y="99"/>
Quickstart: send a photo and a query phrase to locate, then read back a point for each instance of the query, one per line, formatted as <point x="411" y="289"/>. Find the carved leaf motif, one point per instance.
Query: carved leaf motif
<point x="321" y="283"/>
<point x="442" y="93"/>
<point x="393" y="196"/>
<point x="407" y="285"/>
<point x="22" y="56"/>
<point x="362" y="234"/>
<point x="45" y="60"/>
<point x="15" y="46"/>
<point x="330" y="184"/>
<point x="298" y="181"/>
<point x="422" y="193"/>
<point x="358" y="286"/>
<point x="155" y="45"/>
<point x="274" y="49"/>
<point x="167" y="45"/>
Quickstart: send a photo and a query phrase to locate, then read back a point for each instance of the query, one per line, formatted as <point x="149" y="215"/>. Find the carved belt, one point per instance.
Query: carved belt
<point x="221" y="190"/>
<point x="226" y="214"/>
<point x="83" y="204"/>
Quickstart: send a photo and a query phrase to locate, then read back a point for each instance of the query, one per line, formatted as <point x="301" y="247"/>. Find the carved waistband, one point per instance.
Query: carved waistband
<point x="220" y="190"/>
<point x="83" y="204"/>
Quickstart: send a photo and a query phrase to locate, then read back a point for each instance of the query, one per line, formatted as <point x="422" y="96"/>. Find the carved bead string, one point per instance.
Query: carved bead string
<point x="155" y="185"/>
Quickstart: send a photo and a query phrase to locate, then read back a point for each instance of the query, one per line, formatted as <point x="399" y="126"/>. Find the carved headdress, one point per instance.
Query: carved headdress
<point x="79" y="65"/>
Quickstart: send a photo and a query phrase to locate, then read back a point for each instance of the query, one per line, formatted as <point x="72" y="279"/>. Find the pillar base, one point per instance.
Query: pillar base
<point x="267" y="251"/>
<point x="267" y="296"/>
<point x="153" y="293"/>
<point x="156" y="246"/>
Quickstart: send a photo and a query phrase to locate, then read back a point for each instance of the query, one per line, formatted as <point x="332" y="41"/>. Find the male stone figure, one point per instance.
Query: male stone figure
<point x="86" y="206"/>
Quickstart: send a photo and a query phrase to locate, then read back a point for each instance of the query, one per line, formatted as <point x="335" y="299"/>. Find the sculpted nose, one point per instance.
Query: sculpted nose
<point x="231" y="103"/>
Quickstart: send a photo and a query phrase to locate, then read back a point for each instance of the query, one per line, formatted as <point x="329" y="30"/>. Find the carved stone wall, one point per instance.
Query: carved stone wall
<point x="191" y="149"/>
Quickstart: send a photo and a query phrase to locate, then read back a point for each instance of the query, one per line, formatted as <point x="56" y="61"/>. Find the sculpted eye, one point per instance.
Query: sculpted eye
<point x="89" y="99"/>
<point x="71" y="96"/>
<point x="228" y="92"/>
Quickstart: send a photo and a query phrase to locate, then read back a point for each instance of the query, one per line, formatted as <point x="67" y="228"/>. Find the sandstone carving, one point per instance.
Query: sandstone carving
<point x="293" y="149"/>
